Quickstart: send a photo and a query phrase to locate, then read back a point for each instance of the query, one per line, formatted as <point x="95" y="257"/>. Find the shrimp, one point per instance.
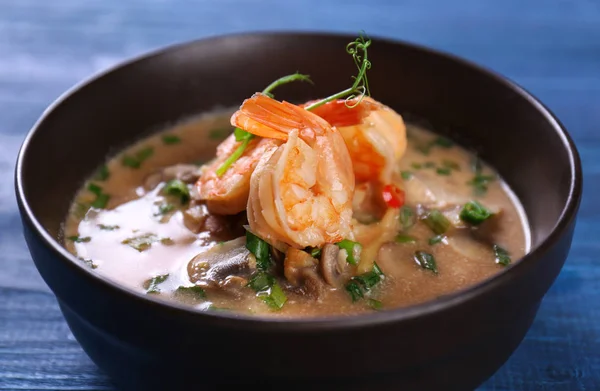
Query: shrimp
<point x="300" y="193"/>
<point x="374" y="133"/>
<point x="228" y="194"/>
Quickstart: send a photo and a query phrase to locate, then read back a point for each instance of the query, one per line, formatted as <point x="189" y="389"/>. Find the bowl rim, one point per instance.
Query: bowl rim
<point x="284" y="324"/>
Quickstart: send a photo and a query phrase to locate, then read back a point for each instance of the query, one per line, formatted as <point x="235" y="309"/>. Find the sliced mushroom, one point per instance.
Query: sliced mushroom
<point x="187" y="173"/>
<point x="300" y="269"/>
<point x="223" y="267"/>
<point x="334" y="268"/>
<point x="195" y="216"/>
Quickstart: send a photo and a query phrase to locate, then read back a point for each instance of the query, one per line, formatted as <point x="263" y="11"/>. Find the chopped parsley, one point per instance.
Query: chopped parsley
<point x="170" y="139"/>
<point x="407" y="217"/>
<point x="268" y="290"/>
<point x="436" y="239"/>
<point x="102" y="174"/>
<point x="79" y="239"/>
<point x="502" y="256"/>
<point x="193" y="290"/>
<point x="364" y="283"/>
<point x="152" y="284"/>
<point x="406" y="175"/>
<point x="141" y="242"/>
<point x="480" y="183"/>
<point x="436" y="221"/>
<point x="426" y="261"/>
<point x="136" y="160"/>
<point x="260" y="249"/>
<point x="442" y="142"/>
<point x="374" y="304"/>
<point x="101" y="198"/>
<point x="108" y="227"/>
<point x="164" y="209"/>
<point x="443" y="171"/>
<point x="451" y="164"/>
<point x="403" y="238"/>
<point x="177" y="187"/>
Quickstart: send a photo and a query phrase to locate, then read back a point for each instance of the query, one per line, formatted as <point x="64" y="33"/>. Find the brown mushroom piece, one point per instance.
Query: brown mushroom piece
<point x="224" y="267"/>
<point x="300" y="269"/>
<point x="334" y="269"/>
<point x="187" y="173"/>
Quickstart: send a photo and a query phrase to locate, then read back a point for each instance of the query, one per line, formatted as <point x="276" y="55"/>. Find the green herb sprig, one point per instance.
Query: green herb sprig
<point x="245" y="137"/>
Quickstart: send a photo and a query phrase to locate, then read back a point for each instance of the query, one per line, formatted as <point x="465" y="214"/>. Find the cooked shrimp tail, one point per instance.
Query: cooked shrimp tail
<point x="301" y="194"/>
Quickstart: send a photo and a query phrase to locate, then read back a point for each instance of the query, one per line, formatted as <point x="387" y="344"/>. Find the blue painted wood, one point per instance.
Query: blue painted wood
<point x="551" y="47"/>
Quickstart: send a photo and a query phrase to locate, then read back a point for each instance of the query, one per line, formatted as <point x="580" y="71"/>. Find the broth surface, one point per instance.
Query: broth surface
<point x="142" y="238"/>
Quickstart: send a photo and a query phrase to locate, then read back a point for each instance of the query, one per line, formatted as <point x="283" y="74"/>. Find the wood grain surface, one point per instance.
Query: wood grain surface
<point x="550" y="47"/>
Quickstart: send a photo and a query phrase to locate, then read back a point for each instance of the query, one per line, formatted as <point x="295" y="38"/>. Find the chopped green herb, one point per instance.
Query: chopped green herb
<point x="355" y="291"/>
<point x="436" y="239"/>
<point x="170" y="139"/>
<point x="97" y="190"/>
<point x="426" y="261"/>
<point x="406" y="175"/>
<point x="139" y="157"/>
<point x="403" y="238"/>
<point x="144" y="154"/>
<point x="89" y="263"/>
<point x="80" y="209"/>
<point x="195" y="290"/>
<point x="177" y="187"/>
<point x="245" y="137"/>
<point x="108" y="227"/>
<point x="142" y="242"/>
<point x="152" y="284"/>
<point x="164" y="209"/>
<point x="474" y="213"/>
<point x="451" y="164"/>
<point x="130" y="161"/>
<point x="407" y="217"/>
<point x="442" y="142"/>
<point x="429" y="165"/>
<point x="213" y="307"/>
<point x="416" y="166"/>
<point x="101" y="201"/>
<point x="219" y="133"/>
<point x="374" y="304"/>
<point x="79" y="239"/>
<point x="353" y="249"/>
<point x="424" y="148"/>
<point x="436" y="221"/>
<point x="315" y="252"/>
<point x="102" y="174"/>
<point x="268" y="290"/>
<point x="502" y="256"/>
<point x="361" y="284"/>
<point x="480" y="183"/>
<point x="167" y="241"/>
<point x="260" y="249"/>
<point x="443" y="171"/>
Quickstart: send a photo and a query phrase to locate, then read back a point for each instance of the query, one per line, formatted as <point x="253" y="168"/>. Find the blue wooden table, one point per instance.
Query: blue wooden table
<point x="550" y="47"/>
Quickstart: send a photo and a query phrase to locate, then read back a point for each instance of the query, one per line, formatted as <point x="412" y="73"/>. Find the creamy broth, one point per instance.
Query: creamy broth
<point x="145" y="239"/>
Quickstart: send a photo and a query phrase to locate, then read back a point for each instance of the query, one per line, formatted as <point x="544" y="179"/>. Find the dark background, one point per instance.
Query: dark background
<point x="550" y="47"/>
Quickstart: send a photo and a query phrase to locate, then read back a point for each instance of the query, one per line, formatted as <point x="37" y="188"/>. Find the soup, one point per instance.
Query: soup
<point x="326" y="208"/>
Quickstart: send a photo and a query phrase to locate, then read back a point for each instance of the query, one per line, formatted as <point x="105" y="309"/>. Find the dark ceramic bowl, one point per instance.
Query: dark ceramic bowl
<point x="452" y="343"/>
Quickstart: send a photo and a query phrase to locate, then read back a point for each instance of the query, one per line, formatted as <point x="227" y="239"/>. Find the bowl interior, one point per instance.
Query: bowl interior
<point x="483" y="112"/>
